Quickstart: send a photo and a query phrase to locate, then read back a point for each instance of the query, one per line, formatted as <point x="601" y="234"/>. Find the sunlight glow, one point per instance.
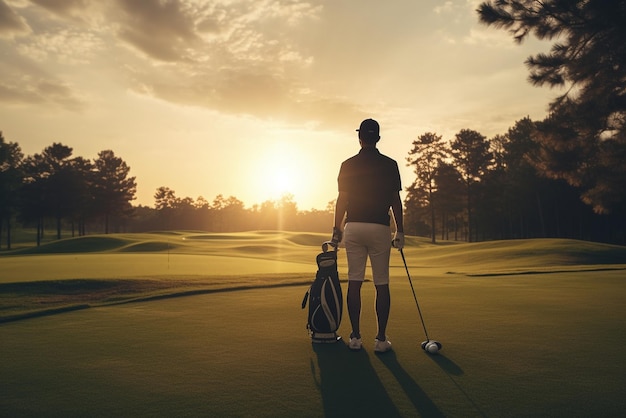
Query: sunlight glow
<point x="281" y="169"/>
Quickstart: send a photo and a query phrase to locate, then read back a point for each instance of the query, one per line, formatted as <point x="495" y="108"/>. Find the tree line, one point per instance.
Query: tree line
<point x="465" y="188"/>
<point x="228" y="214"/>
<point x="55" y="190"/>
<point x="563" y="176"/>
<point x="474" y="189"/>
<point x="54" y="187"/>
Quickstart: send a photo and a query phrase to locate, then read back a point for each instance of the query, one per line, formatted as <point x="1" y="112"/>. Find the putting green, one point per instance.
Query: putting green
<point x="515" y="345"/>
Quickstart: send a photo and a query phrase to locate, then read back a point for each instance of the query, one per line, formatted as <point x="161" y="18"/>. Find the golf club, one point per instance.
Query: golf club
<point x="429" y="346"/>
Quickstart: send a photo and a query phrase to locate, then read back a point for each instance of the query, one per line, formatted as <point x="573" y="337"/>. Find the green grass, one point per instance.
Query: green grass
<point x="95" y="270"/>
<point x="529" y="328"/>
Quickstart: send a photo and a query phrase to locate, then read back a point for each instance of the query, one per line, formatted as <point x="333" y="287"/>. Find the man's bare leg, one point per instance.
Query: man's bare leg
<point x="383" y="306"/>
<point x="354" y="307"/>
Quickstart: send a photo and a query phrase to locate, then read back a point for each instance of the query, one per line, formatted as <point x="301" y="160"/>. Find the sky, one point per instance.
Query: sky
<point x="254" y="98"/>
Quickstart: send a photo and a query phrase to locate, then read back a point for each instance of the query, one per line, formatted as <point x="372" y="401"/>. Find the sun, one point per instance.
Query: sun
<point x="281" y="179"/>
<point x="280" y="170"/>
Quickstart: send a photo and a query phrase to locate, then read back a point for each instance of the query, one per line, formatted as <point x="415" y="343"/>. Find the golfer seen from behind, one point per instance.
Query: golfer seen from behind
<point x="369" y="184"/>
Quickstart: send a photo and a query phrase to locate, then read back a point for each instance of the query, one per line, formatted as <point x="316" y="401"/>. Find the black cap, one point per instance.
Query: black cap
<point x="369" y="131"/>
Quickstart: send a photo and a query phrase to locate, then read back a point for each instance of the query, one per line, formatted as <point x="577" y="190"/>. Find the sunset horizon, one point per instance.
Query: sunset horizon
<point x="253" y="99"/>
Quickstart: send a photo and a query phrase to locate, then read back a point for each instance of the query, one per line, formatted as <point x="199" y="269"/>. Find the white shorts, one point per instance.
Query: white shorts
<point x="363" y="240"/>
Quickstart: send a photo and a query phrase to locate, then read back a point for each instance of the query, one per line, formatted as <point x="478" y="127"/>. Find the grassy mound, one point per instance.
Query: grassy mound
<point x="519" y="256"/>
<point x="96" y="270"/>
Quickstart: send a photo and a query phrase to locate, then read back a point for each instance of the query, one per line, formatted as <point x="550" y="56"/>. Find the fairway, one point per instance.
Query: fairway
<point x="518" y="340"/>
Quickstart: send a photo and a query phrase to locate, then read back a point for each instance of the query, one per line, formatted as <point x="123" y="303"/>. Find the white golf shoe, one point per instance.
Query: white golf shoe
<point x="355" y="344"/>
<point x="382" y="346"/>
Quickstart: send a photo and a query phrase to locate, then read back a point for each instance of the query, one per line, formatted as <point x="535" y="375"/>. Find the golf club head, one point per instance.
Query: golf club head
<point x="431" y="346"/>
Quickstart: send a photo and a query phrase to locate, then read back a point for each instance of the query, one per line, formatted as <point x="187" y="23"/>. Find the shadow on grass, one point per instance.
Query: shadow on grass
<point x="447" y="365"/>
<point x="25" y="300"/>
<point x="452" y="369"/>
<point x="349" y="384"/>
<point x="420" y="400"/>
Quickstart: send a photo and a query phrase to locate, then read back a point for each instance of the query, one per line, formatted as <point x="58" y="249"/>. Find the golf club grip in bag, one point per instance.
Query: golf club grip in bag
<point x="325" y="299"/>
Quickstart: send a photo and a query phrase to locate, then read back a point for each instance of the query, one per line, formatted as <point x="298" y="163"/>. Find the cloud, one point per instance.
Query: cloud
<point x="446" y="7"/>
<point x="62" y="7"/>
<point x="25" y="82"/>
<point x="488" y="37"/>
<point x="11" y="24"/>
<point x="252" y="57"/>
<point x="163" y="30"/>
<point x="460" y="8"/>
<point x="67" y="46"/>
<point x="25" y="90"/>
<point x="246" y="89"/>
<point x="233" y="57"/>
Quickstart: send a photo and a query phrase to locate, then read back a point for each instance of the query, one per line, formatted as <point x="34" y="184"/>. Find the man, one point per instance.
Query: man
<point x="369" y="184"/>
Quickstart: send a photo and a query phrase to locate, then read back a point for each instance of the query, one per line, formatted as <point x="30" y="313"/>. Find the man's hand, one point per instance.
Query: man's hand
<point x="398" y="240"/>
<point x="337" y="236"/>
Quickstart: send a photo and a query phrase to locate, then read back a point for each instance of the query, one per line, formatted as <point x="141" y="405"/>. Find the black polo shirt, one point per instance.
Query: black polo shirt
<point x="371" y="180"/>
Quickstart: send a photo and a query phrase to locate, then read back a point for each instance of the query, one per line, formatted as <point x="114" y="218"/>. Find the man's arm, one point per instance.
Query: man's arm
<point x="341" y="206"/>
<point x="396" y="207"/>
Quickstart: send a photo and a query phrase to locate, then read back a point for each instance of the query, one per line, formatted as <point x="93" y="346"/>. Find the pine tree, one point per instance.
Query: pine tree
<point x="472" y="158"/>
<point x="426" y="155"/>
<point x="584" y="138"/>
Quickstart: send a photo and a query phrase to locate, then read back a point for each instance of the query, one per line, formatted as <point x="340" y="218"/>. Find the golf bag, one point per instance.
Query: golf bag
<point x="325" y="299"/>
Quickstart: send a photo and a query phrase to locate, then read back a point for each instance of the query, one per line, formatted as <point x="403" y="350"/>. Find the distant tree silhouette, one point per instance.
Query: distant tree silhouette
<point x="448" y="198"/>
<point x="165" y="198"/>
<point x="77" y="178"/>
<point x="52" y="186"/>
<point x="113" y="189"/>
<point x="471" y="156"/>
<point x="10" y="181"/>
<point x="232" y="215"/>
<point x="416" y="211"/>
<point x="57" y="166"/>
<point x="521" y="187"/>
<point x="229" y="214"/>
<point x="32" y="207"/>
<point x="427" y="154"/>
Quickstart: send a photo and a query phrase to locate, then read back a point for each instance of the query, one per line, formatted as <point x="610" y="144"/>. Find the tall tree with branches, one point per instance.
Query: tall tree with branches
<point x="472" y="158"/>
<point x="425" y="157"/>
<point x="114" y="189"/>
<point x="10" y="182"/>
<point x="448" y="198"/>
<point x="53" y="182"/>
<point x="584" y="138"/>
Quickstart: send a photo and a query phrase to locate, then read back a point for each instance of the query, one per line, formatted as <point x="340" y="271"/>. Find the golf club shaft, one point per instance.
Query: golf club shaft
<point x="414" y="296"/>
